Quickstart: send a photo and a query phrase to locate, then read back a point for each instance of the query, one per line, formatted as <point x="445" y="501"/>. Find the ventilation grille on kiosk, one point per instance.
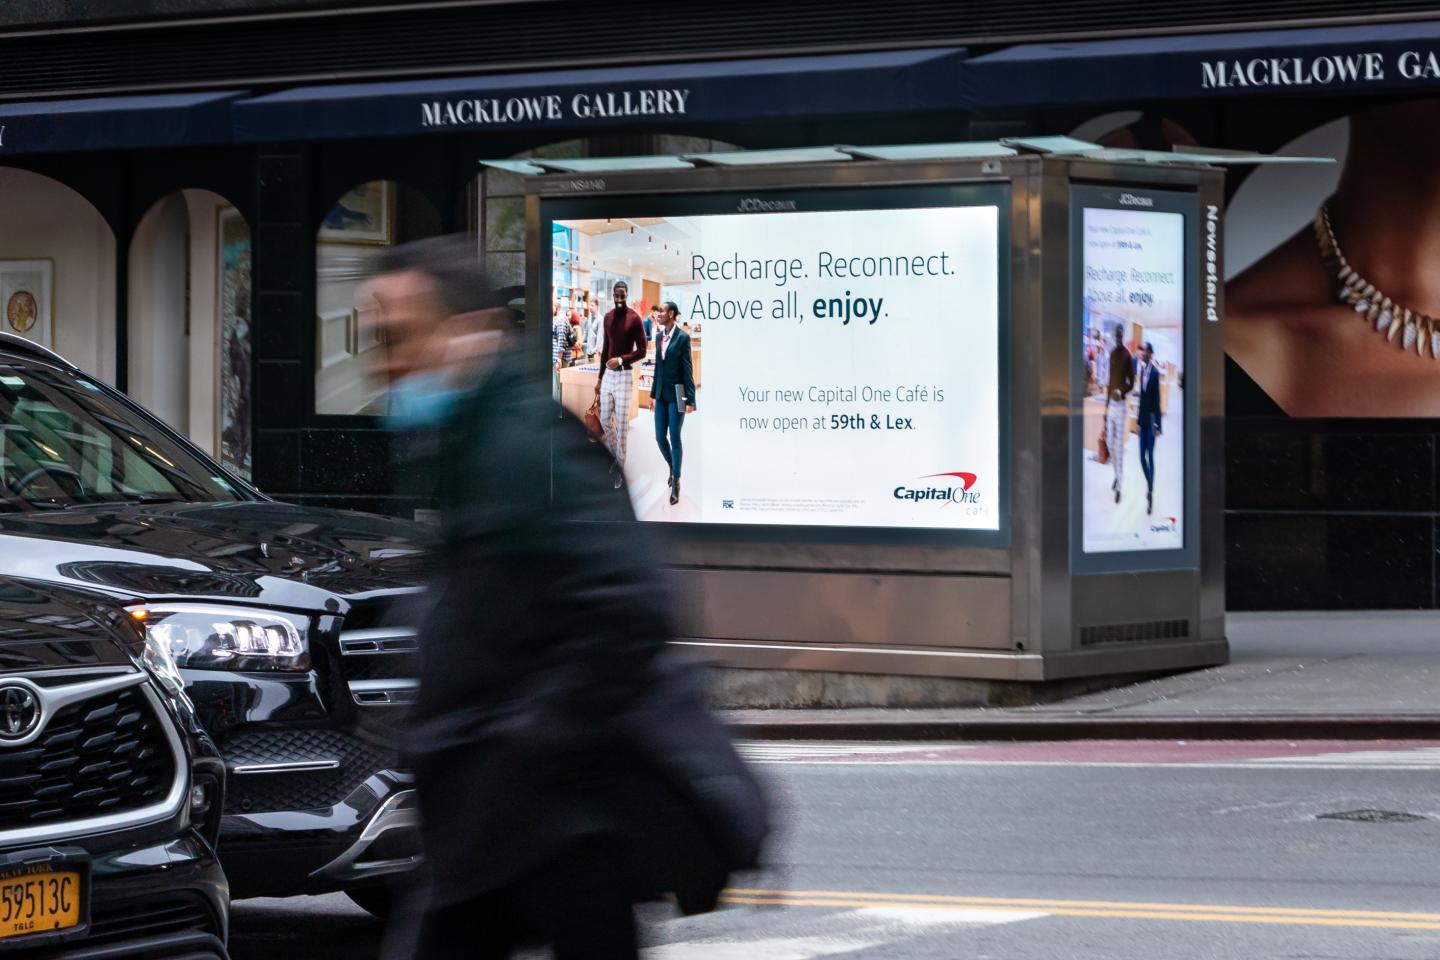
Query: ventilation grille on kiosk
<point x="1134" y="632"/>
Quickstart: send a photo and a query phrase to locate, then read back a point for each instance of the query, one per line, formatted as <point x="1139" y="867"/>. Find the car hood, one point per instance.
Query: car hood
<point x="304" y="558"/>
<point x="42" y="628"/>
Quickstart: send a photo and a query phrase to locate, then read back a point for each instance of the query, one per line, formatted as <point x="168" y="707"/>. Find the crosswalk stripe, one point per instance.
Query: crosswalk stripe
<point x="847" y="930"/>
<point x="771" y="948"/>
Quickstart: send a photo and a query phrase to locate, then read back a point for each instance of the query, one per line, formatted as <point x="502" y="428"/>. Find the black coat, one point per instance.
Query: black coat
<point x="674" y="369"/>
<point x="547" y="711"/>
<point x="1148" y="414"/>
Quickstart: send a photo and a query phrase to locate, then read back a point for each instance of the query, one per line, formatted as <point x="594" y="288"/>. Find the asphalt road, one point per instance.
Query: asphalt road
<point x="1051" y="851"/>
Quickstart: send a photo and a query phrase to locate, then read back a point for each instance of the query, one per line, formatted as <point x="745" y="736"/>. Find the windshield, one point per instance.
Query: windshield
<point x="65" y="442"/>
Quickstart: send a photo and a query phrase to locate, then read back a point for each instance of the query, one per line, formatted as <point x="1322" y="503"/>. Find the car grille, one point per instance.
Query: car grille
<point x="381" y="665"/>
<point x="354" y="761"/>
<point x="384" y="666"/>
<point x="101" y="756"/>
<point x="124" y="922"/>
<point x="112" y="922"/>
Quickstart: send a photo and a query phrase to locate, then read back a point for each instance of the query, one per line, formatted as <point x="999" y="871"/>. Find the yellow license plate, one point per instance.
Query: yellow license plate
<point x="41" y="901"/>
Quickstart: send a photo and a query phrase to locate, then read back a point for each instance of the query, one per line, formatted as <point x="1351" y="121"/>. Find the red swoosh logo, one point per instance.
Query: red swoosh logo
<point x="966" y="479"/>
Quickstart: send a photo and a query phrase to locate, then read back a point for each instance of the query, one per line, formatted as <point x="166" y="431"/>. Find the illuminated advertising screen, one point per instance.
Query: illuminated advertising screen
<point x="821" y="358"/>
<point x="1132" y="356"/>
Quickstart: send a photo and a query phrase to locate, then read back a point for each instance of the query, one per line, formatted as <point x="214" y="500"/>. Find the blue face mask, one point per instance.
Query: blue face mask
<point x="420" y="401"/>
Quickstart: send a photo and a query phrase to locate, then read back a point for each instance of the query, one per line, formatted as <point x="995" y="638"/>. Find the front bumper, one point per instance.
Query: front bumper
<point x="372" y="834"/>
<point x="311" y="796"/>
<point x="162" y="900"/>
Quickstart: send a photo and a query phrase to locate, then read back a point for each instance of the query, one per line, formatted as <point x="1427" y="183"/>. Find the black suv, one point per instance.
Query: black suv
<point x="287" y="623"/>
<point x="110" y="790"/>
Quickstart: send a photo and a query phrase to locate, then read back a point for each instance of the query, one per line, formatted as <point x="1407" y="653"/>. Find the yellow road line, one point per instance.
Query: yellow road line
<point x="1091" y="908"/>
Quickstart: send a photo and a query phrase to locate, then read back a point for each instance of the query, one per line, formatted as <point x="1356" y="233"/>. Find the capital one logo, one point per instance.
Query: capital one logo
<point x="19" y="712"/>
<point x="1169" y="525"/>
<point x="952" y="487"/>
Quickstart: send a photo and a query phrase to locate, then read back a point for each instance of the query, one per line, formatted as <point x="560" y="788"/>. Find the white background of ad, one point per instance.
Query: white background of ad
<point x="1155" y="244"/>
<point x="936" y="333"/>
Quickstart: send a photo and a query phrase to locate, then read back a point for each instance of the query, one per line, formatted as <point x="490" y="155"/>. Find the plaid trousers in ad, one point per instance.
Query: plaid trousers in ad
<point x="1116" y="420"/>
<point x="615" y="391"/>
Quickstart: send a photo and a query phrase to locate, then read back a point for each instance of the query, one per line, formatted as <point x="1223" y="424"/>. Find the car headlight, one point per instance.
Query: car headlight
<point x="156" y="657"/>
<point x="217" y="637"/>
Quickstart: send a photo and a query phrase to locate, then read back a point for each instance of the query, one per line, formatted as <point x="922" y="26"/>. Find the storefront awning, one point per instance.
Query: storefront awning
<point x="117" y="123"/>
<point x="791" y="88"/>
<point x="1322" y="60"/>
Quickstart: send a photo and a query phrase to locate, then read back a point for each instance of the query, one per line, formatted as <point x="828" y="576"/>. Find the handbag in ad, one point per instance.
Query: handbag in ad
<point x="592" y="421"/>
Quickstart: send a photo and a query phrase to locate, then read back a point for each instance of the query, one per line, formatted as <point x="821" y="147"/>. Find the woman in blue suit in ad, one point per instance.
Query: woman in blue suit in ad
<point x="673" y="390"/>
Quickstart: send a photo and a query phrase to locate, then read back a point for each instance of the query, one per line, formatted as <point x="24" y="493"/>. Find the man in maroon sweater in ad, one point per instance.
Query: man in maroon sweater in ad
<point x="624" y="347"/>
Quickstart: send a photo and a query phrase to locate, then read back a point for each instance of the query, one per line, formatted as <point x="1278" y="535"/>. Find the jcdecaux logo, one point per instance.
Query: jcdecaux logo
<point x="953" y="487"/>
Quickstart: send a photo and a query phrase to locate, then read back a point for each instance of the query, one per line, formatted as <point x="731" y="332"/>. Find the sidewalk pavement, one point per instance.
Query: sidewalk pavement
<point x="1297" y="676"/>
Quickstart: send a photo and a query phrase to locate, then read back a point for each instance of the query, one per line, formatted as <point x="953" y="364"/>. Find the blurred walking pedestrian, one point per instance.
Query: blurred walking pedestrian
<point x="565" y="765"/>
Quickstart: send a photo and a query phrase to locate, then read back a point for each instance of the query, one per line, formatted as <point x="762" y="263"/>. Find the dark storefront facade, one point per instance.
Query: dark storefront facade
<point x="233" y="178"/>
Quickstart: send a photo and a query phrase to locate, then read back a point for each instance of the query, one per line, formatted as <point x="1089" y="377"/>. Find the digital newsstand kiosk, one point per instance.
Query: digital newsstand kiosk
<point x="960" y="406"/>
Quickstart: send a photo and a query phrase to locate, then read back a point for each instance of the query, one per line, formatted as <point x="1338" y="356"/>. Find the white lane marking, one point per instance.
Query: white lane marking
<point x="1425" y="757"/>
<point x="1265" y="763"/>
<point x="847" y="931"/>
<point x="762" y="752"/>
<point x="860" y="753"/>
<point x="1147" y="765"/>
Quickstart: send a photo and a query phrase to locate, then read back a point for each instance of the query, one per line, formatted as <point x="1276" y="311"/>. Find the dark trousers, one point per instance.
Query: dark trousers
<point x="669" y="419"/>
<point x="1147" y="458"/>
<point x="576" y="906"/>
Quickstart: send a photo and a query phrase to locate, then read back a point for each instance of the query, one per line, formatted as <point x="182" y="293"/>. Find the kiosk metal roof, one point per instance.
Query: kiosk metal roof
<point x="839" y="153"/>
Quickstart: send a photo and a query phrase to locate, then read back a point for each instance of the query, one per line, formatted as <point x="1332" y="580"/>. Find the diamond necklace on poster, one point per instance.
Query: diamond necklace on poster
<point x="1413" y="328"/>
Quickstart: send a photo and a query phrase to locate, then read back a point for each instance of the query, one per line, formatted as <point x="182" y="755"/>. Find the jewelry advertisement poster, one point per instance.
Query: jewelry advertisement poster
<point x="1332" y="308"/>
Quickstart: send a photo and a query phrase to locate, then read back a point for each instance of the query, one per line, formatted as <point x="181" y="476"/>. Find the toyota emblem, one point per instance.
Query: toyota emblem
<point x="19" y="712"/>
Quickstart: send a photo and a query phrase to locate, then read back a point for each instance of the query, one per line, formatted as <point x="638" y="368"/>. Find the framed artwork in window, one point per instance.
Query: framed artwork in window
<point x="26" y="299"/>
<point x="365" y="215"/>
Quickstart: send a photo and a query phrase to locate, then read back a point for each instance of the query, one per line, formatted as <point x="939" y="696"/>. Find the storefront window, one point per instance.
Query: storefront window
<point x="232" y="330"/>
<point x="57" y="270"/>
<point x="189" y="316"/>
<point x="505" y="223"/>
<point x="363" y="223"/>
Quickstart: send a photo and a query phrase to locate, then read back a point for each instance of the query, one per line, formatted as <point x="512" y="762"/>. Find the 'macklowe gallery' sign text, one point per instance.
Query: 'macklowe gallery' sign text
<point x="1330" y="69"/>
<point x="552" y="107"/>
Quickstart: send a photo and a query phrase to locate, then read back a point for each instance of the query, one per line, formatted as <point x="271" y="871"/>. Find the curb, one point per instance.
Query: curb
<point x="1214" y="727"/>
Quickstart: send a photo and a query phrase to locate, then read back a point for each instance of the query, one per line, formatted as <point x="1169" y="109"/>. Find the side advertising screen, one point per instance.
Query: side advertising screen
<point x="1132" y="288"/>
<point x="822" y="358"/>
